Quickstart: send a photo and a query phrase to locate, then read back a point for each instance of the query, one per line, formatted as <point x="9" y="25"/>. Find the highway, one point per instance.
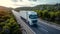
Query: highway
<point x="42" y="28"/>
<point x="45" y="29"/>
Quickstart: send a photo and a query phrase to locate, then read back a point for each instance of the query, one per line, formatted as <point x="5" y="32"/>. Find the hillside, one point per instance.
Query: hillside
<point x="8" y="24"/>
<point x="2" y="8"/>
<point x="41" y="7"/>
<point x="48" y="6"/>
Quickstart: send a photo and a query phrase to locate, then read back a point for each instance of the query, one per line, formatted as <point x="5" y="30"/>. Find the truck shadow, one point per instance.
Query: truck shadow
<point x="35" y="26"/>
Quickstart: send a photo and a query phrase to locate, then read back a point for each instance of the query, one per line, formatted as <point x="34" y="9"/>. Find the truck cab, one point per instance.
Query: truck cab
<point x="32" y="18"/>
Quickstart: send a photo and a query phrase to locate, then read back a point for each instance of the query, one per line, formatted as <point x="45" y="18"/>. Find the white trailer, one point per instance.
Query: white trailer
<point x="30" y="17"/>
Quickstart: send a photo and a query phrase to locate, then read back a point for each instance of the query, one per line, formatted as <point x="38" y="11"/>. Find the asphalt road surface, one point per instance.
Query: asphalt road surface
<point x="43" y="28"/>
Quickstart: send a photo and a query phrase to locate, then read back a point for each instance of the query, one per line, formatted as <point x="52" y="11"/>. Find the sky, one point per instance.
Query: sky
<point x="26" y="3"/>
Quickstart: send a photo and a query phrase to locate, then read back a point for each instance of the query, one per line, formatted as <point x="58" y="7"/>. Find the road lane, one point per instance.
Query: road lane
<point x="42" y="28"/>
<point x="50" y="29"/>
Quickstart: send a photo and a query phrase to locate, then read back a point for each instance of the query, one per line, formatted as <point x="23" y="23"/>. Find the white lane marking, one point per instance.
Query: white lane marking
<point x="43" y="29"/>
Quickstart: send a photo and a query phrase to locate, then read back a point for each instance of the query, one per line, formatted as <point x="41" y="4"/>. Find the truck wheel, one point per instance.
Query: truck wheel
<point x="30" y="24"/>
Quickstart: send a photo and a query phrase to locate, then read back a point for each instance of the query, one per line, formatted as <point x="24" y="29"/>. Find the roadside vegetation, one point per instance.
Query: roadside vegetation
<point x="52" y="16"/>
<point x="50" y="13"/>
<point x="46" y="12"/>
<point x="8" y="24"/>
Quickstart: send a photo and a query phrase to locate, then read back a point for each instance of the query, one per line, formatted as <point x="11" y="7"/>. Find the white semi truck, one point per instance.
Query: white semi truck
<point x="29" y="16"/>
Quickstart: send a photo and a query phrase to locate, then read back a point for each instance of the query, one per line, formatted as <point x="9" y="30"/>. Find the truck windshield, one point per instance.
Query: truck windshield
<point x="33" y="16"/>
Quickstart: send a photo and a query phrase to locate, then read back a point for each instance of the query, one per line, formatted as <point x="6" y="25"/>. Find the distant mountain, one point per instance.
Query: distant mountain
<point x="2" y="8"/>
<point x="41" y="7"/>
<point x="32" y="0"/>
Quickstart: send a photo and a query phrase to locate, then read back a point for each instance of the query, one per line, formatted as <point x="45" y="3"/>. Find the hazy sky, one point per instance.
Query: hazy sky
<point x="21" y="3"/>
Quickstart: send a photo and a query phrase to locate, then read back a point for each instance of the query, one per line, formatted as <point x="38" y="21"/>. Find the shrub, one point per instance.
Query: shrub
<point x="8" y="23"/>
